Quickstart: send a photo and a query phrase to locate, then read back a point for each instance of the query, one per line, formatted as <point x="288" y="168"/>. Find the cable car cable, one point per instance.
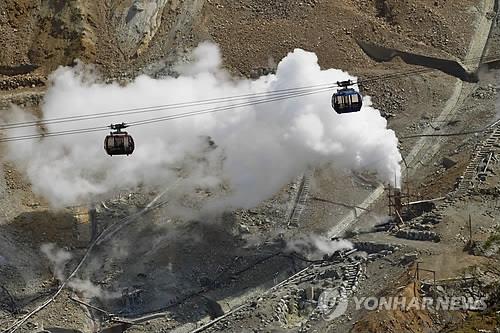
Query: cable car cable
<point x="213" y="100"/>
<point x="279" y="93"/>
<point x="51" y="134"/>
<point x="229" y="107"/>
<point x="165" y="118"/>
<point x="165" y="107"/>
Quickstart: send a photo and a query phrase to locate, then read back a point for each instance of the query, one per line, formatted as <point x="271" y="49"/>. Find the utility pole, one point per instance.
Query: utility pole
<point x="433" y="278"/>
<point x="417" y="279"/>
<point x="470" y="231"/>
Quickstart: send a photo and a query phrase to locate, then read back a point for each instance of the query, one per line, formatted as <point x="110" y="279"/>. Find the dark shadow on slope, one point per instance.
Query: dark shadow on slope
<point x="130" y="14"/>
<point x="450" y="67"/>
<point x="17" y="70"/>
<point x="61" y="330"/>
<point x="39" y="227"/>
<point x="120" y="328"/>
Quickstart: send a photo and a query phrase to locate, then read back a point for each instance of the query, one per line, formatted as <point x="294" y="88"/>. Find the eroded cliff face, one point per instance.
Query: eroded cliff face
<point x="142" y="21"/>
<point x="113" y="34"/>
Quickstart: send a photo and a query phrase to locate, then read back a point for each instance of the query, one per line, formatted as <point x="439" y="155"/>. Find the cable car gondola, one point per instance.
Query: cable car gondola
<point x="346" y="100"/>
<point x="118" y="142"/>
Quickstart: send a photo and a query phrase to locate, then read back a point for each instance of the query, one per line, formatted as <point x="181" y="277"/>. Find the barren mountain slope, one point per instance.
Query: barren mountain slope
<point x="127" y="37"/>
<point x="122" y="35"/>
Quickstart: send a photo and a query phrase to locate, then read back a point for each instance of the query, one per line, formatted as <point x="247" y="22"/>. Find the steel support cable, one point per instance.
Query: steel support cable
<point x="226" y="108"/>
<point x="51" y="134"/>
<point x="180" y="105"/>
<point x="148" y="109"/>
<point x="194" y="113"/>
<point x="165" y="118"/>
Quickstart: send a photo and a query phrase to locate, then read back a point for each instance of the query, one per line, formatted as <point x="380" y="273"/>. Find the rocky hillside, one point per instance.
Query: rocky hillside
<point x="124" y="36"/>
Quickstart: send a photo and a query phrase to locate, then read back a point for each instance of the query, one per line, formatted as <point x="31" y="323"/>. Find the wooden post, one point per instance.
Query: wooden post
<point x="408" y="194"/>
<point x="429" y="271"/>
<point x="434" y="290"/>
<point x="415" y="283"/>
<point x="417" y="275"/>
<point x="390" y="200"/>
<point x="398" y="205"/>
<point x="470" y="231"/>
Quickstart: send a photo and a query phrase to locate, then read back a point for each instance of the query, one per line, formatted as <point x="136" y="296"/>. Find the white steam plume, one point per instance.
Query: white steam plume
<point x="59" y="258"/>
<point x="264" y="146"/>
<point x="315" y="246"/>
<point x="89" y="290"/>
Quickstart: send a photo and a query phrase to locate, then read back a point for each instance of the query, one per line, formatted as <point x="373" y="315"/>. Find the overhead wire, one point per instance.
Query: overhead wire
<point x="169" y="117"/>
<point x="51" y="134"/>
<point x="200" y="102"/>
<point x="249" y="100"/>
<point x="212" y="100"/>
<point x="226" y="108"/>
<point x="180" y="105"/>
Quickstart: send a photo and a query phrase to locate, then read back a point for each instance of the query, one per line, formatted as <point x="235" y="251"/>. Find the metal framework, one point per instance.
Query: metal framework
<point x="118" y="127"/>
